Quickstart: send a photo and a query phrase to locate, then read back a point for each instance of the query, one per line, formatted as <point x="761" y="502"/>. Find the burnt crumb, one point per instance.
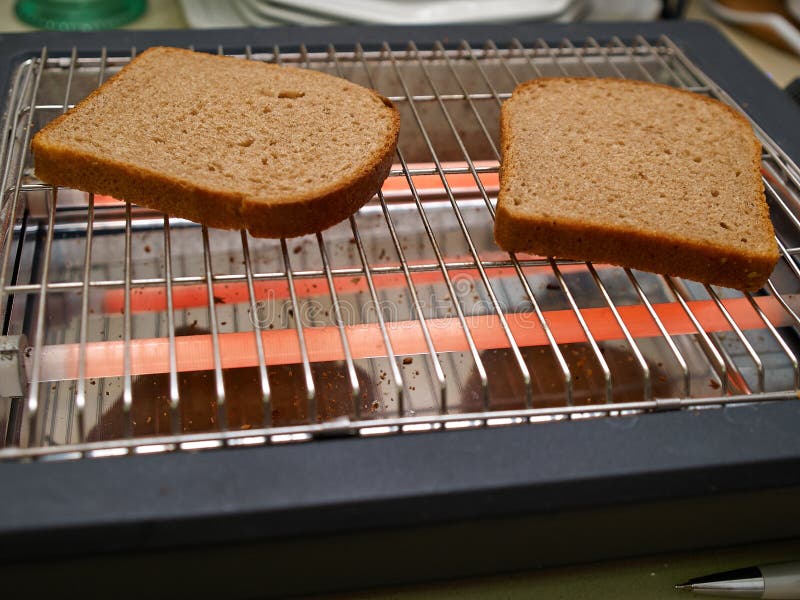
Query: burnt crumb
<point x="193" y="324"/>
<point x="552" y="286"/>
<point x="297" y="249"/>
<point x="375" y="405"/>
<point x="223" y="323"/>
<point x="219" y="300"/>
<point x="714" y="384"/>
<point x="408" y="360"/>
<point x="147" y="248"/>
<point x="352" y="240"/>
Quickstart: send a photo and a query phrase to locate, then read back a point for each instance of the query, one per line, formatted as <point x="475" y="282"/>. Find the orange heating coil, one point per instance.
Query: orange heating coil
<point x="194" y="352"/>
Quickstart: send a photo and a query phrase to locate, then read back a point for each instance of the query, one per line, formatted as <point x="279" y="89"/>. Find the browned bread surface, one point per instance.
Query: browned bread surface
<point x="225" y="142"/>
<point x="634" y="174"/>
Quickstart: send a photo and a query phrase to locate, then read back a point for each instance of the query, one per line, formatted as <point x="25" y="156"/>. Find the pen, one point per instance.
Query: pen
<point x="779" y="580"/>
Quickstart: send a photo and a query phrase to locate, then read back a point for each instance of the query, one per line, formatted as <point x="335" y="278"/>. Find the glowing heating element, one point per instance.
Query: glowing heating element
<point x="194" y="352"/>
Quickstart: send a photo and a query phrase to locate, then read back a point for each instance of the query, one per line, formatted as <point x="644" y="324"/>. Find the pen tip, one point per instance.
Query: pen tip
<point x="684" y="586"/>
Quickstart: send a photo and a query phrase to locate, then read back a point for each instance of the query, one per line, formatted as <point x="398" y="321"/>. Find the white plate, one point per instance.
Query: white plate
<point x="625" y="10"/>
<point x="208" y="14"/>
<point x="258" y="11"/>
<point x="429" y="12"/>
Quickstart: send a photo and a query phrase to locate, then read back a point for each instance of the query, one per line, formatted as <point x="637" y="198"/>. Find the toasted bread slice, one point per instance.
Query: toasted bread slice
<point x="225" y="142"/>
<point x="634" y="174"/>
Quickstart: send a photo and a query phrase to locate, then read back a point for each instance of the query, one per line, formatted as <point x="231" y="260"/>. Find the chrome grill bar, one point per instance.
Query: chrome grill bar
<point x="528" y="340"/>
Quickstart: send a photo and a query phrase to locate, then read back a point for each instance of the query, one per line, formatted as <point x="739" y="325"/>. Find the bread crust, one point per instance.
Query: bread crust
<point x="740" y="268"/>
<point x="283" y="215"/>
<point x="636" y="250"/>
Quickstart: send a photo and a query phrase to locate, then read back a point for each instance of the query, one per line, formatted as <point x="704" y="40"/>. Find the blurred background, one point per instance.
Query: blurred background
<point x="768" y="31"/>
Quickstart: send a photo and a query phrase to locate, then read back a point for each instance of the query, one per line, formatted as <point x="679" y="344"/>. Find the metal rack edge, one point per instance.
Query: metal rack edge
<point x="756" y="460"/>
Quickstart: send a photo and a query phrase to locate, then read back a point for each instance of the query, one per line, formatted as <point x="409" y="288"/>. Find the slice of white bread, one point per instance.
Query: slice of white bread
<point x="225" y="142"/>
<point x="634" y="174"/>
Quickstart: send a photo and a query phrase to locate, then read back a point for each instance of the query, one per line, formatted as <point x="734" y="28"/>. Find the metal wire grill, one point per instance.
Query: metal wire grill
<point x="127" y="330"/>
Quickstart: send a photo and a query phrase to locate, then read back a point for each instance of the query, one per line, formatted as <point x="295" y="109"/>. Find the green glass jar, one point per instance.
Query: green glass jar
<point x="79" y="15"/>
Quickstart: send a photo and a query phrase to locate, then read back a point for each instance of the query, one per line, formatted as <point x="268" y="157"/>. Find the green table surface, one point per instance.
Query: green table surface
<point x="650" y="577"/>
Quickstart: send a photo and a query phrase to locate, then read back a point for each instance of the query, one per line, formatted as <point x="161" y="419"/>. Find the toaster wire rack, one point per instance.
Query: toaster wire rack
<point x="129" y="331"/>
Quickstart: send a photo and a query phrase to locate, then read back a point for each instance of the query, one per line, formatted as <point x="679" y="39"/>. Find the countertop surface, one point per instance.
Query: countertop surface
<point x="651" y="577"/>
